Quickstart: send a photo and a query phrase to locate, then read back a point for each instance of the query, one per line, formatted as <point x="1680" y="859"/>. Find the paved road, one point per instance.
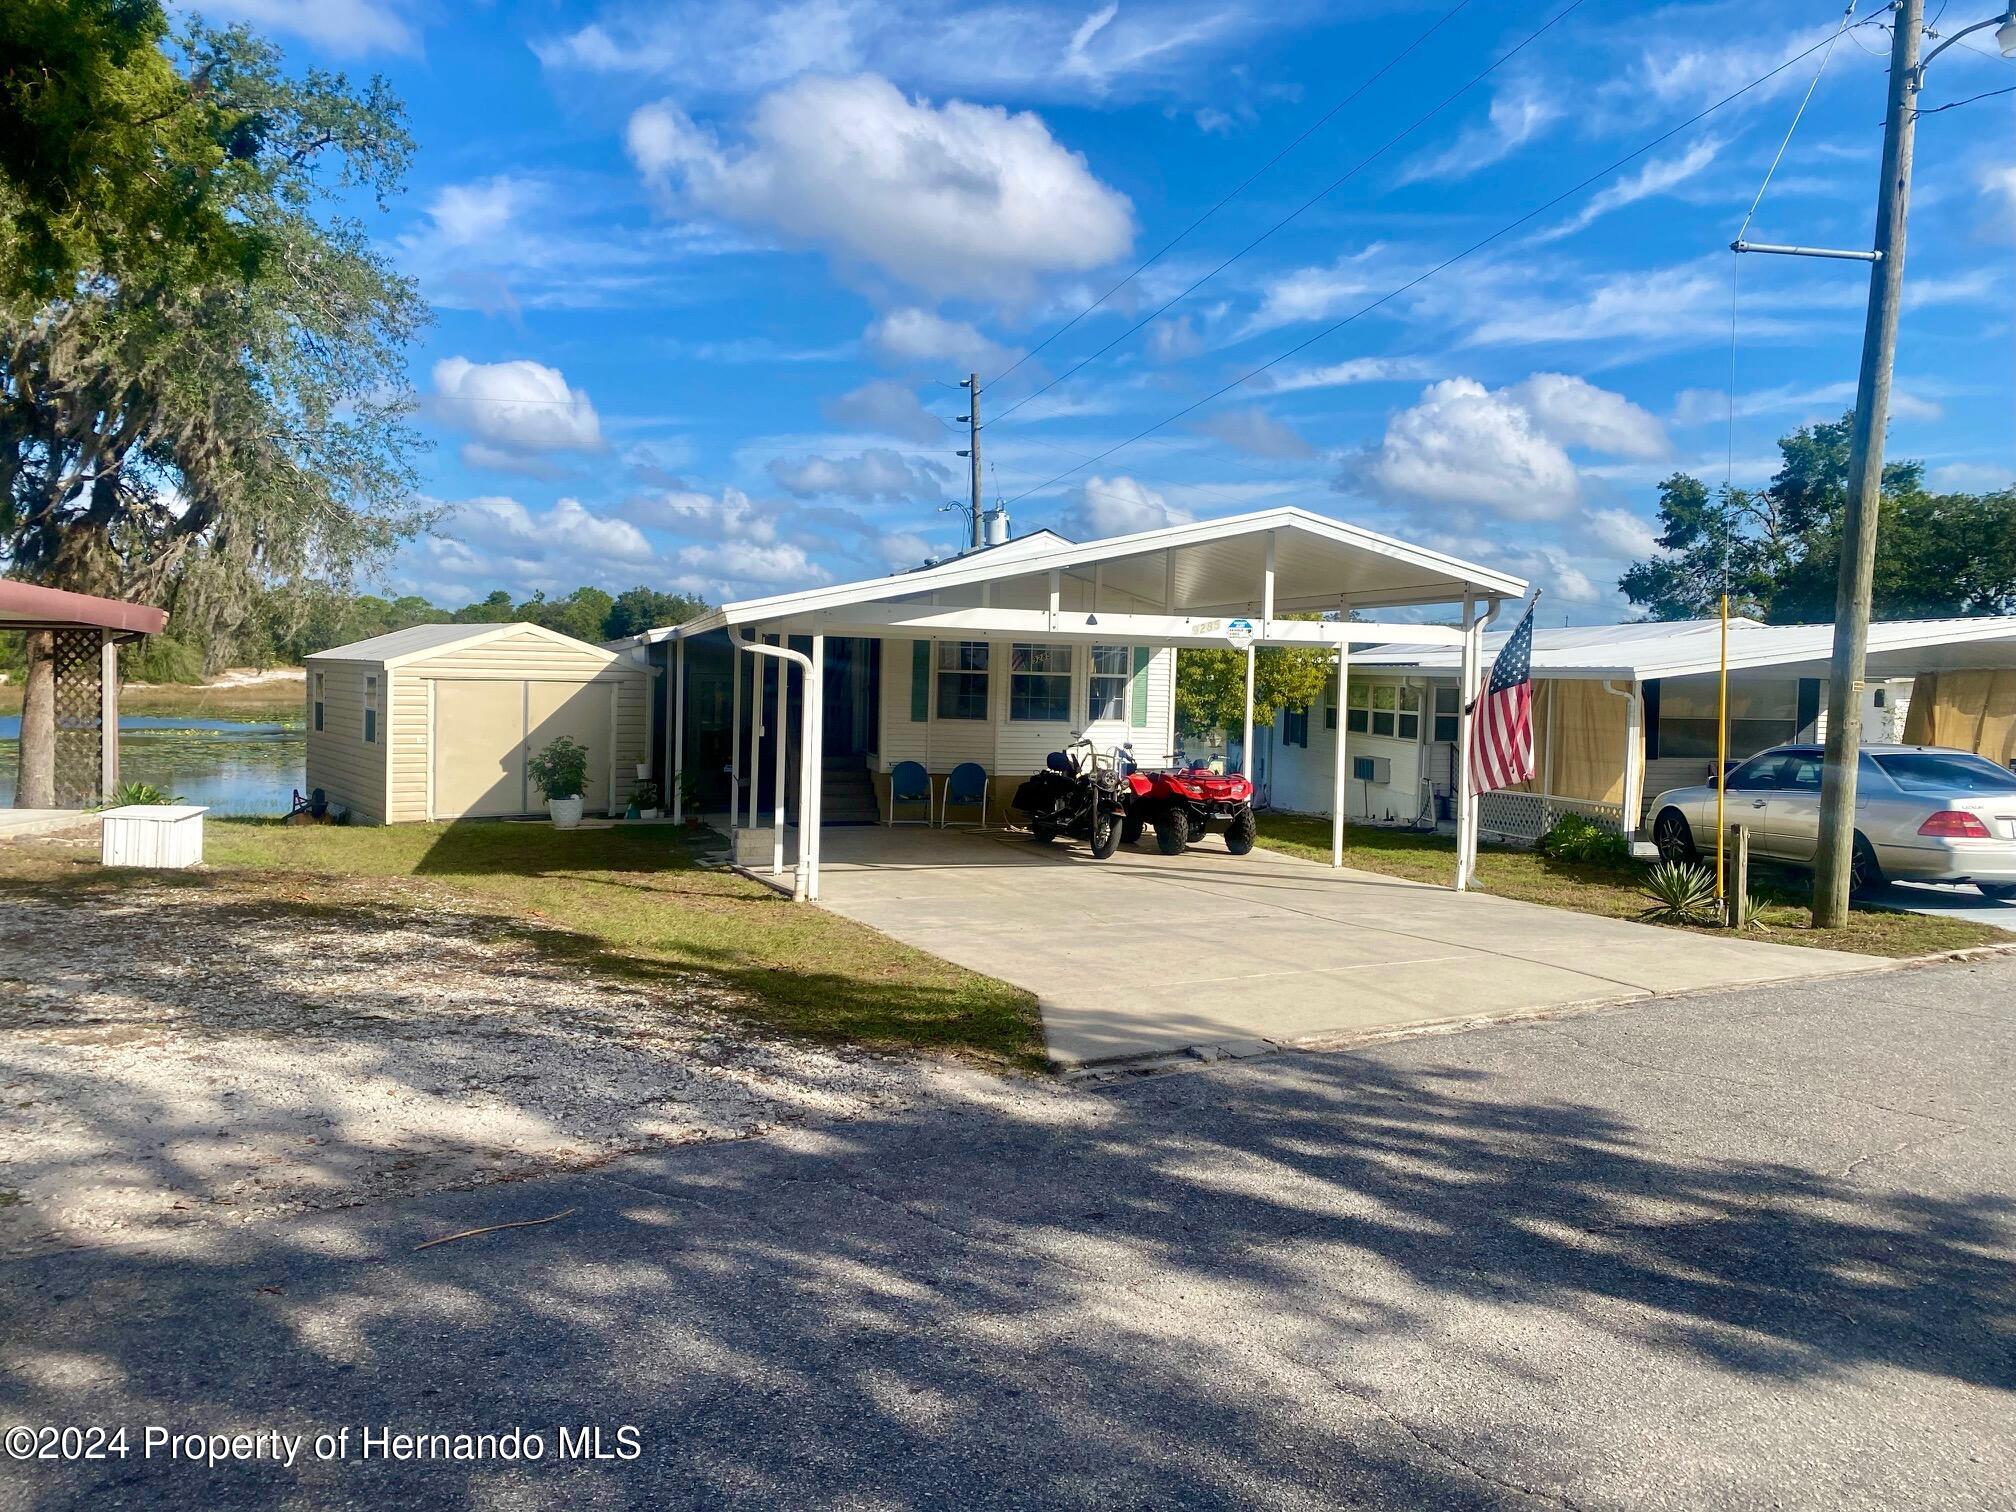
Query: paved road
<point x="1742" y="1249"/>
<point x="1145" y="954"/>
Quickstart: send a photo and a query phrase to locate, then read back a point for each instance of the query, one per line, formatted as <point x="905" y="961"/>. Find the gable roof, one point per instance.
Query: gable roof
<point x="1214" y="564"/>
<point x="1680" y="648"/>
<point x="420" y="640"/>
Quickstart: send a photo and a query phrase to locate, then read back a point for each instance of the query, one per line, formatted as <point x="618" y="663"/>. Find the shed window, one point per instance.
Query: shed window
<point x="1112" y="667"/>
<point x="1448" y="709"/>
<point x="962" y="679"/>
<point x="1039" y="683"/>
<point x="318" y="700"/>
<point x="370" y="711"/>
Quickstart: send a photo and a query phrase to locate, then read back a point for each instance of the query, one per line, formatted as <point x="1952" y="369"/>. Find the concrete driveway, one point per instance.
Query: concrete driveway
<point x="1145" y="954"/>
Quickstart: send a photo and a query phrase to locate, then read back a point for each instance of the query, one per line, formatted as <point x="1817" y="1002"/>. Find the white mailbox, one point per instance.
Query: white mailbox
<point x="152" y="834"/>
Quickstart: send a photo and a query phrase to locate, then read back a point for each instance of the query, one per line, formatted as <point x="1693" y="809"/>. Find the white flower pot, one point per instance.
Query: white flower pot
<point x="566" y="812"/>
<point x="647" y="813"/>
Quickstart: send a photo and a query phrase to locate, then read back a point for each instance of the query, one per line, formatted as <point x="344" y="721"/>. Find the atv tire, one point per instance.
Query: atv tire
<point x="1241" y="833"/>
<point x="1130" y="829"/>
<point x="1172" y="831"/>
<point x="1042" y="834"/>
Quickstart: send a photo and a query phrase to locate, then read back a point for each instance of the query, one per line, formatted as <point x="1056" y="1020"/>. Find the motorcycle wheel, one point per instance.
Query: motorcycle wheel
<point x="1042" y="834"/>
<point x="1105" y="836"/>
<point x="1241" y="833"/>
<point x="1172" y="831"/>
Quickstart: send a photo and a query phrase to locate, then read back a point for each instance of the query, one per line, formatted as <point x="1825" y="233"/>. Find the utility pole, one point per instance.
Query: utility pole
<point x="977" y="530"/>
<point x="1834" y="857"/>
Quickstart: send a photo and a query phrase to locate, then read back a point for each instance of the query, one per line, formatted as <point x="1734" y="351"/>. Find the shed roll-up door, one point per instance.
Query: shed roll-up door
<point x="485" y="729"/>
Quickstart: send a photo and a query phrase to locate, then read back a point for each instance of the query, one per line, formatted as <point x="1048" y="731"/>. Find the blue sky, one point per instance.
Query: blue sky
<point x="706" y="275"/>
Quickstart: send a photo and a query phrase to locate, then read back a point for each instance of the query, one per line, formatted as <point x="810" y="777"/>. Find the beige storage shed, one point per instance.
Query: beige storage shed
<point x="438" y="721"/>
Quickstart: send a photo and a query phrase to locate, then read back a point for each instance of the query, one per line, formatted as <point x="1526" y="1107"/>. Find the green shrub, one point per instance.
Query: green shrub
<point x="164" y="659"/>
<point x="561" y="770"/>
<point x="1574" y="838"/>
<point x="1681" y="893"/>
<point x="144" y="793"/>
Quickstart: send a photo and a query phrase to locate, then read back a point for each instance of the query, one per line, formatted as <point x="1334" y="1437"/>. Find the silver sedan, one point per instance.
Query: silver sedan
<point x="1922" y="813"/>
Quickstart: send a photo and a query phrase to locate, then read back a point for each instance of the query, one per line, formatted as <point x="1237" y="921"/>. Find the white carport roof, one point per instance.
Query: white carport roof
<point x="1191" y="575"/>
<point x="1679" y="648"/>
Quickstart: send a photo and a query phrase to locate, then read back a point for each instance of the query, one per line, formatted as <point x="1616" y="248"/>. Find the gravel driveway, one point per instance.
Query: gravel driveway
<point x="176" y="1055"/>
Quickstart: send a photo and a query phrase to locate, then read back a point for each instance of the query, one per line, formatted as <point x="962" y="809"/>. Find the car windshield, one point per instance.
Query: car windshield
<point x="1946" y="772"/>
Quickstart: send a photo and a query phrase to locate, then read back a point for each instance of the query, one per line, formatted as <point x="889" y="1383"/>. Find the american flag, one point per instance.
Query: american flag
<point x="1501" y="733"/>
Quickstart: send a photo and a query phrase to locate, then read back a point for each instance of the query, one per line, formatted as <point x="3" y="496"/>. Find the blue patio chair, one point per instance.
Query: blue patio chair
<point x="909" y="783"/>
<point x="965" y="788"/>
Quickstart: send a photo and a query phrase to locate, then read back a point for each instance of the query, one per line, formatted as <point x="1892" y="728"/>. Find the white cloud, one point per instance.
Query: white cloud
<point x="347" y="27"/>
<point x="886" y="407"/>
<point x="1117" y="506"/>
<point x="876" y="474"/>
<point x="953" y="199"/>
<point x="1826" y="402"/>
<point x="1503" y="451"/>
<point x="1052" y="49"/>
<point x="730" y="515"/>
<point x="750" y="561"/>
<point x="514" y="411"/>
<point x="495" y="541"/>
<point x="469" y="213"/>
<point x="1575" y="412"/>
<point x="910" y="337"/>
<point x="1314" y="293"/>
<point x="1254" y="431"/>
<point x="1621" y="533"/>
<point x="1517" y="116"/>
<point x="1665" y="306"/>
<point x="902" y="549"/>
<point x="1998" y="184"/>
<point x="1970" y="477"/>
<point x="1655" y="177"/>
<point x="1342" y="374"/>
<point x="1174" y="340"/>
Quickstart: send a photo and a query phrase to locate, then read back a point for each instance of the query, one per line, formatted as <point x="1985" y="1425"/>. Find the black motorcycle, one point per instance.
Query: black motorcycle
<point x="1081" y="794"/>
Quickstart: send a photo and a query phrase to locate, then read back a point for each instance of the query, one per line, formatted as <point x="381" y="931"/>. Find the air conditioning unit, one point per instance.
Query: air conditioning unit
<point x="1371" y="769"/>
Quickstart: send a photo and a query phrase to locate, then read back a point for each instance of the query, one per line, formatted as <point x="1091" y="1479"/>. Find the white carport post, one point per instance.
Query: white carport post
<point x="1252" y="655"/>
<point x="1338" y="787"/>
<point x="734" y="741"/>
<point x="811" y="797"/>
<point x="1634" y="752"/>
<point x="755" y="727"/>
<point x="783" y="735"/>
<point x="1467" y="682"/>
<point x="678" y="731"/>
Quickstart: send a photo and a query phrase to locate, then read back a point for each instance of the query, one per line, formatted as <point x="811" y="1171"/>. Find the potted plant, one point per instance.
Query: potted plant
<point x="643" y="801"/>
<point x="561" y="770"/>
<point x="689" y="798"/>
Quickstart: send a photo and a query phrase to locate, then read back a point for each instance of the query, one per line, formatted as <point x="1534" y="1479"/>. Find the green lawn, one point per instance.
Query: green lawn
<point x="1613" y="890"/>
<point x="626" y="901"/>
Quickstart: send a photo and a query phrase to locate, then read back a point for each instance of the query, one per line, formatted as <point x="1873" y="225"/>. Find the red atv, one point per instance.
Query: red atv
<point x="1184" y="805"/>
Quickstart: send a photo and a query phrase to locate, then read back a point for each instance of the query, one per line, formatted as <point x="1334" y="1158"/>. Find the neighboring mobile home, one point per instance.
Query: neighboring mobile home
<point x="1623" y="712"/>
<point x="438" y="721"/>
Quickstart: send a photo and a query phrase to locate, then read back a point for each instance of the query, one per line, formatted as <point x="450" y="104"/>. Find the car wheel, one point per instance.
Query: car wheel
<point x="1172" y="831"/>
<point x="1674" y="837"/>
<point x="2001" y="892"/>
<point x="1864" y="875"/>
<point x="1130" y="829"/>
<point x="1241" y="832"/>
<point x="1105" y="836"/>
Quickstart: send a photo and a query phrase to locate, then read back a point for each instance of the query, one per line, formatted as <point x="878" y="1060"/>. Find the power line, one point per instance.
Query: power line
<point x="1244" y="184"/>
<point x="1956" y="104"/>
<point x="1324" y="193"/>
<point x="1472" y="249"/>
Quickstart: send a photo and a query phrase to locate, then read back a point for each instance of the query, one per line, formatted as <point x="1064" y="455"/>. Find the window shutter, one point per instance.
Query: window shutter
<point x="1139" y="700"/>
<point x="920" y="681"/>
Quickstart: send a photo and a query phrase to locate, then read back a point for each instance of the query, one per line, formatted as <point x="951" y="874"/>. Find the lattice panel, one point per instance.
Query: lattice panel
<point x="78" y="716"/>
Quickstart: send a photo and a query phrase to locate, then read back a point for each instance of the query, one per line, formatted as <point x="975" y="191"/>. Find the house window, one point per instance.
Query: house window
<point x="1385" y="698"/>
<point x="1039" y="683"/>
<point x="1112" y="672"/>
<point x="1355" y="720"/>
<point x="1295" y="727"/>
<point x="318" y="700"/>
<point x="962" y="679"/>
<point x="370" y="711"/>
<point x="1448" y="709"/>
<point x="1330" y="706"/>
<point x="1410" y="712"/>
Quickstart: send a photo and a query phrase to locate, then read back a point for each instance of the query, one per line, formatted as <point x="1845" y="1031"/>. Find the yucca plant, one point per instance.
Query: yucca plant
<point x="1681" y="893"/>
<point x="129" y="793"/>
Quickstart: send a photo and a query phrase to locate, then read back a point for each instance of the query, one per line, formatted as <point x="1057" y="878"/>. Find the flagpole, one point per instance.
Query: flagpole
<point x="1722" y="760"/>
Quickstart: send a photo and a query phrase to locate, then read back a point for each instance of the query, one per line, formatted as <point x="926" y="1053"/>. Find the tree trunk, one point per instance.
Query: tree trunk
<point x="36" y="787"/>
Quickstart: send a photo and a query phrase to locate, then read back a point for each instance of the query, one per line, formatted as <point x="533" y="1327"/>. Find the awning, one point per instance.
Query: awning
<point x="27" y="606"/>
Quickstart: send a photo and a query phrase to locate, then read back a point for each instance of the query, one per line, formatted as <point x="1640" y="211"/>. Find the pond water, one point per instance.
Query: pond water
<point x="231" y="766"/>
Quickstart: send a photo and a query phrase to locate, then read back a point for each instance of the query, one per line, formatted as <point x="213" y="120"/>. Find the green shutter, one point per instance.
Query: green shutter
<point x="1140" y="688"/>
<point x="920" y="681"/>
